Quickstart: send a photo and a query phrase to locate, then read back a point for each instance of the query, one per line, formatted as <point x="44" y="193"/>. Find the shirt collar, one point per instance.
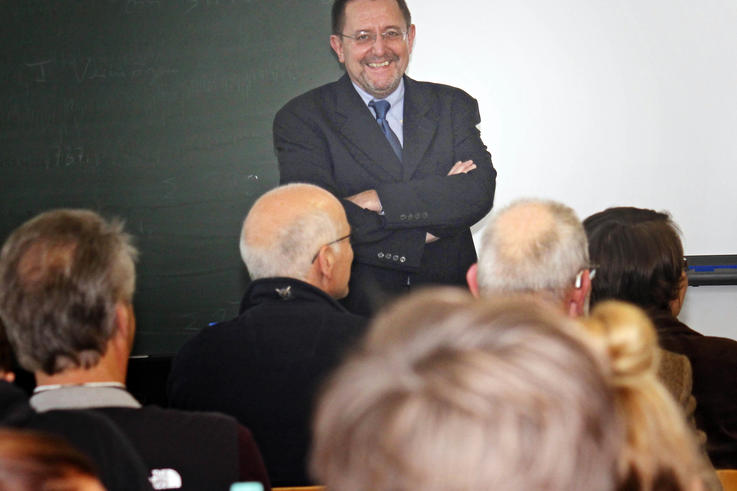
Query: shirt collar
<point x="396" y="98"/>
<point x="82" y="396"/>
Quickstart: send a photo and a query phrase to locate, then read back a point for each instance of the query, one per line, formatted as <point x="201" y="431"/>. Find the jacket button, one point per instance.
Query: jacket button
<point x="402" y="216"/>
<point x="417" y="216"/>
<point x="388" y="255"/>
<point x="402" y="259"/>
<point x="380" y="255"/>
<point x="424" y="214"/>
<point x="395" y="258"/>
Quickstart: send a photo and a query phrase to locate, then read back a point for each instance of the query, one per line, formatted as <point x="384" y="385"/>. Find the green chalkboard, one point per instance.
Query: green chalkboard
<point x="159" y="112"/>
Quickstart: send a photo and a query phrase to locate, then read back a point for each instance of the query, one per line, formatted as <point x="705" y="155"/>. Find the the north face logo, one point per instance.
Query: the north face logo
<point x="165" y="479"/>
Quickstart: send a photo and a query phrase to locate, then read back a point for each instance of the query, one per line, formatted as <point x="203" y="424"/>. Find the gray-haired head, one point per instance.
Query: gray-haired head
<point x="61" y="275"/>
<point x="532" y="246"/>
<point x="286" y="229"/>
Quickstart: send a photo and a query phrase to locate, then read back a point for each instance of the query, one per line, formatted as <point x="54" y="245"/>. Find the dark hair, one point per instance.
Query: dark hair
<point x="61" y="274"/>
<point x="639" y="257"/>
<point x="31" y="461"/>
<point x="338" y="14"/>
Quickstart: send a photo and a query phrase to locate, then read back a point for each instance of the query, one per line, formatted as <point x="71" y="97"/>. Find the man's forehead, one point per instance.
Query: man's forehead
<point x="363" y="14"/>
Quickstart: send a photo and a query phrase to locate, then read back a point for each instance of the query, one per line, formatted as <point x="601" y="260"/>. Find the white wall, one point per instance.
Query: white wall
<point x="599" y="103"/>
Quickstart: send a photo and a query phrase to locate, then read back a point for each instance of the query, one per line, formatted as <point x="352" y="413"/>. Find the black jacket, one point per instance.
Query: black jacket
<point x="265" y="366"/>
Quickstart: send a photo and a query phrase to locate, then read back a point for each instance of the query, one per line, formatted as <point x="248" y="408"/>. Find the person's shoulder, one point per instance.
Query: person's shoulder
<point x="437" y="89"/>
<point x="316" y="97"/>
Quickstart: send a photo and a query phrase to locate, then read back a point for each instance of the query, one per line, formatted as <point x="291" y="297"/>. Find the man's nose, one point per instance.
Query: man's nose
<point x="379" y="45"/>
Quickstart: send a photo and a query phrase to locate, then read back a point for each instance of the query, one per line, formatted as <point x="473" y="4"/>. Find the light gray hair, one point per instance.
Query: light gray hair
<point x="524" y="257"/>
<point x="291" y="253"/>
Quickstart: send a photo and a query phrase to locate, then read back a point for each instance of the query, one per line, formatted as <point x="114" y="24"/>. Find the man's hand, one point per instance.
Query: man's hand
<point x="458" y="168"/>
<point x="368" y="200"/>
<point x="462" y="167"/>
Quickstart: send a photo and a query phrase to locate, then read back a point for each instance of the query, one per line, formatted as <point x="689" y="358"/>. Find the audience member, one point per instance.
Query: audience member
<point x="640" y="258"/>
<point x="66" y="288"/>
<point x="454" y="394"/>
<point x="264" y="366"/>
<point x="540" y="247"/>
<point x="661" y="451"/>
<point x="34" y="461"/>
<point x="119" y="465"/>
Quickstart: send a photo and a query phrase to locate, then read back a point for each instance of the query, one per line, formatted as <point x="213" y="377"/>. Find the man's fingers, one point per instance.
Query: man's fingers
<point x="462" y="167"/>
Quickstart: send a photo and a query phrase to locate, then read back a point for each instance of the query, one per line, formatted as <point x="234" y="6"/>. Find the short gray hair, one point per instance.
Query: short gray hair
<point x="290" y="255"/>
<point x="61" y="274"/>
<point x="532" y="257"/>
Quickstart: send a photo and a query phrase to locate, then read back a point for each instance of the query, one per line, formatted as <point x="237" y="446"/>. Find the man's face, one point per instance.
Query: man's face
<point x="376" y="67"/>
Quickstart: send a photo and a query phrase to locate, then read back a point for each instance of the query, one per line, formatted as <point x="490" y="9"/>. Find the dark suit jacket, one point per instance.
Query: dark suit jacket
<point x="714" y="364"/>
<point x="264" y="367"/>
<point x="329" y="137"/>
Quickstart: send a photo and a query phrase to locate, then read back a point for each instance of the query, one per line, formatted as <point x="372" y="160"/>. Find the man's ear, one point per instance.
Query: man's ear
<point x="326" y="262"/>
<point x="337" y="44"/>
<point x="411" y="37"/>
<point x="124" y="321"/>
<point x="471" y="279"/>
<point x="578" y="295"/>
<point x="7" y="376"/>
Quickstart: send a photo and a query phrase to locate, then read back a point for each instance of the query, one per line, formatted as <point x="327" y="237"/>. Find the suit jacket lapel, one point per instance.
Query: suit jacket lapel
<point x="367" y="142"/>
<point x="419" y="125"/>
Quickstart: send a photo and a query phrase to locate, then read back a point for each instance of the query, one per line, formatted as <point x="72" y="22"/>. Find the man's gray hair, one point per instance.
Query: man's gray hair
<point x="61" y="274"/>
<point x="291" y="252"/>
<point x="532" y="246"/>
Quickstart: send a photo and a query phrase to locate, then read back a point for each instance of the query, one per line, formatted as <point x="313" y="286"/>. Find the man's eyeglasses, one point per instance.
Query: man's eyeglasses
<point x="328" y="244"/>
<point x="366" y="38"/>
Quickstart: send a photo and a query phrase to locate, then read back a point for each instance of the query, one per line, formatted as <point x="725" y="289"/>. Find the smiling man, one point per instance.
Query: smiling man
<point x="404" y="157"/>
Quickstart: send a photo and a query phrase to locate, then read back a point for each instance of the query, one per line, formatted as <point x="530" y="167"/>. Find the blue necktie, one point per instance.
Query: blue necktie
<point x="381" y="108"/>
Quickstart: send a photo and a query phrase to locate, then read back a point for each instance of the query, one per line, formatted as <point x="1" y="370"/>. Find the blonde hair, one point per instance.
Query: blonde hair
<point x="660" y="449"/>
<point x="451" y="394"/>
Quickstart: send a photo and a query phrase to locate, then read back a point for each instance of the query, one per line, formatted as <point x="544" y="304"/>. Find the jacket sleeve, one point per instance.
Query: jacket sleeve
<point x="444" y="205"/>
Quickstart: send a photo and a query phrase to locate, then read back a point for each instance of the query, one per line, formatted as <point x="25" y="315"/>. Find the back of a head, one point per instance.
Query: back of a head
<point x="61" y="274"/>
<point x="286" y="227"/>
<point x="639" y="257"/>
<point x="453" y="394"/>
<point x="34" y="461"/>
<point x="660" y="451"/>
<point x="532" y="246"/>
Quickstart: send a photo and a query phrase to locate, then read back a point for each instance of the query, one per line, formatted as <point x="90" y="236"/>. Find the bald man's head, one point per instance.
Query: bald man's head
<point x="532" y="246"/>
<point x="287" y="227"/>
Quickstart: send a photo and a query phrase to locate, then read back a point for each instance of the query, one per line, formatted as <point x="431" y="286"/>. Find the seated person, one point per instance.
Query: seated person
<point x="540" y="247"/>
<point x="66" y="289"/>
<point x="264" y="366"/>
<point x="449" y="393"/>
<point x="661" y="450"/>
<point x="34" y="461"/>
<point x="640" y="260"/>
<point x="120" y="466"/>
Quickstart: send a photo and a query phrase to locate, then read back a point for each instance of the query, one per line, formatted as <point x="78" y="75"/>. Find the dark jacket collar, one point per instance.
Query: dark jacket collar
<point x="668" y="325"/>
<point x="280" y="289"/>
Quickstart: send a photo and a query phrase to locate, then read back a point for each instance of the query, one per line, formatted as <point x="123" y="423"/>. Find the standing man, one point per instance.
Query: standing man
<point x="405" y="157"/>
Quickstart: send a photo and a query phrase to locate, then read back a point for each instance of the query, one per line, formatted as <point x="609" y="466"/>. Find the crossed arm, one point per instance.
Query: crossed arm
<point x="369" y="199"/>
